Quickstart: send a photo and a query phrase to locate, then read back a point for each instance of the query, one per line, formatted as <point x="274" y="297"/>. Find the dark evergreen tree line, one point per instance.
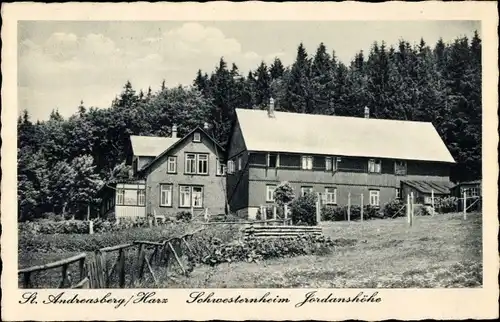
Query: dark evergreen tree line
<point x="63" y="162"/>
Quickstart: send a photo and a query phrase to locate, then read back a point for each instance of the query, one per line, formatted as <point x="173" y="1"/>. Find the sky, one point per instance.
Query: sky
<point x="61" y="63"/>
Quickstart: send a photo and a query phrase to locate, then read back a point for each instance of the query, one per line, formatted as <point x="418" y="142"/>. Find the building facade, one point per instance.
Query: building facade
<point x="171" y="175"/>
<point x="334" y="156"/>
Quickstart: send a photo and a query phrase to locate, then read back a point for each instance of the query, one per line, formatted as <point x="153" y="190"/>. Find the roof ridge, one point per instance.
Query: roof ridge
<point x="337" y="116"/>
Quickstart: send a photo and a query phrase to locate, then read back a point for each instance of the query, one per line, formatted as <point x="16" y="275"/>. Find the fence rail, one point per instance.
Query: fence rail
<point x="95" y="272"/>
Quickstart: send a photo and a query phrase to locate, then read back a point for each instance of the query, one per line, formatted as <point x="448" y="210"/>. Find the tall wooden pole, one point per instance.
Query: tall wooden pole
<point x="408" y="210"/>
<point x="318" y="209"/>
<point x="349" y="207"/>
<point x="412" y="213"/>
<point x="362" y="206"/>
<point x="432" y="201"/>
<point x="465" y="205"/>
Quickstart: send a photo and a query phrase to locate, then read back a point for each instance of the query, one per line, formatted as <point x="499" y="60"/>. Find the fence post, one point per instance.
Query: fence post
<point x="362" y="206"/>
<point x="88" y="211"/>
<point x="465" y="205"/>
<point x="432" y="201"/>
<point x="318" y="209"/>
<point x="285" y="213"/>
<point x="412" y="213"/>
<point x="275" y="215"/>
<point x="263" y="214"/>
<point x="408" y="210"/>
<point x="206" y="214"/>
<point x="349" y="206"/>
<point x="91" y="227"/>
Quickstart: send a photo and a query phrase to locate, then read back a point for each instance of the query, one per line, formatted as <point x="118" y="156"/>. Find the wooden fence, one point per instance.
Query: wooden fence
<point x="94" y="271"/>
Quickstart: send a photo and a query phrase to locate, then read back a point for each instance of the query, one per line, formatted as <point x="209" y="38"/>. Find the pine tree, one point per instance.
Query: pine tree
<point x="299" y="90"/>
<point x="262" y="86"/>
<point x="277" y="69"/>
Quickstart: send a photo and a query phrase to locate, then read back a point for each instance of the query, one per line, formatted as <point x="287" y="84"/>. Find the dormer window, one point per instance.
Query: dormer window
<point x="197" y="137"/>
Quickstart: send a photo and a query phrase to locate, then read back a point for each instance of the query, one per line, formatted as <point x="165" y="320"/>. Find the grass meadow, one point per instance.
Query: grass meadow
<point x="443" y="251"/>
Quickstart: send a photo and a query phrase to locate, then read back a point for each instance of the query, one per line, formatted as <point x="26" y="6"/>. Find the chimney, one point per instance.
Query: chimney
<point x="367" y="112"/>
<point x="270" y="108"/>
<point x="174" y="131"/>
<point x="206" y="127"/>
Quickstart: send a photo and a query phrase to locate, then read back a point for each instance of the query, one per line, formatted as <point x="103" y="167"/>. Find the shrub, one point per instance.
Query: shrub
<point x="303" y="210"/>
<point x="446" y="204"/>
<point x="52" y="216"/>
<point x="254" y="249"/>
<point x="184" y="216"/>
<point x="283" y="194"/>
<point x="391" y="209"/>
<point x="333" y="213"/>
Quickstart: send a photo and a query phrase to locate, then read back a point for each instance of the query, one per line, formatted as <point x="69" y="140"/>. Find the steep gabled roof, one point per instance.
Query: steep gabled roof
<point x="179" y="141"/>
<point x="150" y="146"/>
<point x="342" y="136"/>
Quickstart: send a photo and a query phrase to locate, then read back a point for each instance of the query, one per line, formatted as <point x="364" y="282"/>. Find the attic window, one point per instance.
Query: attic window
<point x="374" y="165"/>
<point x="197" y="137"/>
<point x="400" y="168"/>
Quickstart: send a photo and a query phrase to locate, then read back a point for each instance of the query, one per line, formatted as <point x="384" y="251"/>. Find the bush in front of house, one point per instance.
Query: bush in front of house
<point x="339" y="213"/>
<point x="446" y="204"/>
<point x="333" y="213"/>
<point x="303" y="210"/>
<point x="284" y="194"/>
<point x="50" y="227"/>
<point x="183" y="216"/>
<point x="395" y="208"/>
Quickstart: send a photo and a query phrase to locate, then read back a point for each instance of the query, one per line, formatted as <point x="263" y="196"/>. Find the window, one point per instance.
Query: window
<point x="307" y="162"/>
<point x="230" y="167"/>
<point x="221" y="168"/>
<point x="305" y="190"/>
<point x="197" y="137"/>
<point x="270" y="193"/>
<point x="400" y="168"/>
<point x="398" y="193"/>
<point x="190" y="163"/>
<point x="240" y="163"/>
<point x="374" y="197"/>
<point x="272" y="160"/>
<point x="197" y="201"/>
<point x="328" y="163"/>
<point x="120" y="196"/>
<point x="191" y="196"/>
<point x="184" y="196"/>
<point x="165" y="195"/>
<point x="427" y="200"/>
<point x="471" y="192"/>
<point x="331" y="196"/>
<point x="172" y="165"/>
<point x="141" y="197"/>
<point x="374" y="166"/>
<point x="130" y="197"/>
<point x="202" y="163"/>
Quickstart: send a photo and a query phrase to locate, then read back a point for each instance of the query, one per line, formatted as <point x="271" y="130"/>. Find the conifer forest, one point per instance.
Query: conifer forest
<point x="63" y="162"/>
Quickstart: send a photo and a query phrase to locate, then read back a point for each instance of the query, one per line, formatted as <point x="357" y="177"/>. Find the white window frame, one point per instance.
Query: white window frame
<point x="172" y="163"/>
<point x="197" y="137"/>
<point x="276" y="164"/>
<point x="199" y="159"/>
<point x="270" y="192"/>
<point x="189" y="196"/>
<point x="221" y="168"/>
<point x="191" y="161"/>
<point x="398" y="193"/>
<point x="120" y="196"/>
<point x="402" y="164"/>
<point x="374" y="197"/>
<point x="141" y="197"/>
<point x="186" y="192"/>
<point x="306" y="162"/>
<point x="375" y="166"/>
<point x="166" y="188"/>
<point x="330" y="195"/>
<point x="305" y="189"/>
<point x="197" y="203"/>
<point x="230" y="167"/>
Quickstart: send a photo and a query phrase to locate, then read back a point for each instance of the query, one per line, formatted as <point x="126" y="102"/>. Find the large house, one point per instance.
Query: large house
<point x="170" y="175"/>
<point x="339" y="157"/>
